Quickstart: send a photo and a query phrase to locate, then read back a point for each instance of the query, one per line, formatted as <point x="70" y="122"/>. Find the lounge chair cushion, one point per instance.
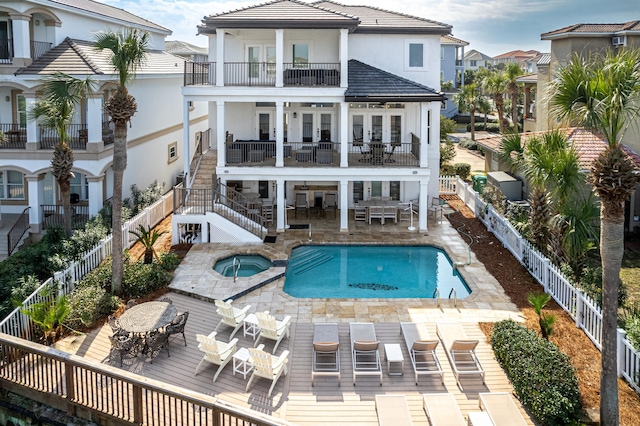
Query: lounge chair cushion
<point x="424" y="345"/>
<point x="464" y="345"/>
<point x="365" y="345"/>
<point x="325" y="346"/>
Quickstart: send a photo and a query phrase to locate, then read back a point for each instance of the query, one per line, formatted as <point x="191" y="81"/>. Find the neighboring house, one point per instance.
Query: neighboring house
<point x="186" y="50"/>
<point x="451" y="70"/>
<point x="38" y="38"/>
<point x="588" y="146"/>
<point x="474" y="60"/>
<point x="322" y="97"/>
<point x="530" y="85"/>
<point x="521" y="57"/>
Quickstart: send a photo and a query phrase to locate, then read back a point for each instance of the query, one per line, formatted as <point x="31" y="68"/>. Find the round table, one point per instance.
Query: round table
<point x="147" y="316"/>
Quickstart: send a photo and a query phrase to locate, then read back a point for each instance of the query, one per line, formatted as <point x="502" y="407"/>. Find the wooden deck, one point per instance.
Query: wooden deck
<point x="293" y="398"/>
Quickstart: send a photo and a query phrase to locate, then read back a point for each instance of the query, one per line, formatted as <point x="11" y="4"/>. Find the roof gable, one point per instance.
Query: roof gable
<point x="594" y="29"/>
<point x="450" y="40"/>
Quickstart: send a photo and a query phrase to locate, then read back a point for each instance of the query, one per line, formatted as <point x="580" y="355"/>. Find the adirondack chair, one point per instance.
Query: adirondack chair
<point x="215" y="352"/>
<point x="267" y="366"/>
<point x="270" y="328"/>
<point x="233" y="317"/>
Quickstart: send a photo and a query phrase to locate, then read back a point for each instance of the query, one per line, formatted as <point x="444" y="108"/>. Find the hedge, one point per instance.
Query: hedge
<point x="543" y="378"/>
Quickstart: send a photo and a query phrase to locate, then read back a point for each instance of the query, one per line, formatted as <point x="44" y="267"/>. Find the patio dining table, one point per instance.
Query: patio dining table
<point x="384" y="209"/>
<point x="147" y="317"/>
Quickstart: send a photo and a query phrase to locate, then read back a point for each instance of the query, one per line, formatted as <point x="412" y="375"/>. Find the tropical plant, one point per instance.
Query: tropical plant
<point x="603" y="92"/>
<point x="127" y="53"/>
<point x="447" y="126"/>
<point x="512" y="72"/>
<point x="447" y="152"/>
<point x="60" y="94"/>
<point x="49" y="315"/>
<point x="511" y="151"/>
<point x="484" y="107"/>
<point x="538" y="301"/>
<point x="467" y="101"/>
<point x="148" y="238"/>
<point x="495" y="85"/>
<point x="539" y="218"/>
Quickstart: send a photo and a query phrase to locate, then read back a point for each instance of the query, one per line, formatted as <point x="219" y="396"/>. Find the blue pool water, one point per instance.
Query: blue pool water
<point x="349" y="271"/>
<point x="250" y="264"/>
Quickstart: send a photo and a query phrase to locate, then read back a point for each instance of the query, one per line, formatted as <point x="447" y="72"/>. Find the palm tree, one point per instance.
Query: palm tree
<point x="467" y="100"/>
<point x="484" y="107"/>
<point x="495" y="85"/>
<point x="61" y="93"/>
<point x="512" y="72"/>
<point x="603" y="92"/>
<point x="127" y="53"/>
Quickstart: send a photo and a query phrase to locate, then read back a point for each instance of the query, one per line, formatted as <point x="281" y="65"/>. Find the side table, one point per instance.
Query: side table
<point x="393" y="354"/>
<point x="241" y="363"/>
<point x="250" y="327"/>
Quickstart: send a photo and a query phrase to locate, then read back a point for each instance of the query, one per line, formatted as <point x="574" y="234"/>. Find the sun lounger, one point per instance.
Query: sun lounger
<point x="364" y="350"/>
<point x="460" y="350"/>
<point x="393" y="410"/>
<point x="501" y="409"/>
<point x="326" y="351"/>
<point x="422" y="350"/>
<point x="442" y="409"/>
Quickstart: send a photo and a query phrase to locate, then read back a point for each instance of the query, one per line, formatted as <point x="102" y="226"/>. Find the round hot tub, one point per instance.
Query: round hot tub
<point x="247" y="265"/>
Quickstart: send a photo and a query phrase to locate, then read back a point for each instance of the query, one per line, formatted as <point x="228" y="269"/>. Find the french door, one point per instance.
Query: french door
<point x="316" y="126"/>
<point x="262" y="63"/>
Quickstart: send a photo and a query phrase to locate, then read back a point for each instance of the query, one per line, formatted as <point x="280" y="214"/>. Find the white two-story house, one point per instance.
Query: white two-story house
<point x="322" y="97"/>
<point x="38" y="38"/>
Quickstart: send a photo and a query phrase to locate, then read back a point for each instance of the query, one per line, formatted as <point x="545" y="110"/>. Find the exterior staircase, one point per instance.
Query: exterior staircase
<point x="206" y="169"/>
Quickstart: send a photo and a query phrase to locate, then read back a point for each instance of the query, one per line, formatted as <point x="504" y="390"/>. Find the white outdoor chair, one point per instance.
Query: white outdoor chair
<point x="267" y="366"/>
<point x="272" y="329"/>
<point x="435" y="207"/>
<point x="215" y="352"/>
<point x="231" y="316"/>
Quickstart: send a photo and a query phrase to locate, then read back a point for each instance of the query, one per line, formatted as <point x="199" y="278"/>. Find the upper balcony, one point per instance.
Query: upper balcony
<point x="46" y="138"/>
<point x="262" y="74"/>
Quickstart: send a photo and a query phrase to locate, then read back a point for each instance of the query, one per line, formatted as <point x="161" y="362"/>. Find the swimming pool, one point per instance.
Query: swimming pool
<point x="250" y="264"/>
<point x="357" y="271"/>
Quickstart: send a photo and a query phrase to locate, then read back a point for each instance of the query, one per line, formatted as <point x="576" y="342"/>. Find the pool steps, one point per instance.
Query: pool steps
<point x="309" y="259"/>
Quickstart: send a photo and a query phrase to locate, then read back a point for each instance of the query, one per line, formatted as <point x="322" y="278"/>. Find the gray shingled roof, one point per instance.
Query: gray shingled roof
<point x="475" y="55"/>
<point x="78" y="57"/>
<point x="604" y="29"/>
<point x="110" y="12"/>
<point x="177" y="47"/>
<point x="375" y="20"/>
<point x="278" y="14"/>
<point x="447" y="39"/>
<point x="370" y="84"/>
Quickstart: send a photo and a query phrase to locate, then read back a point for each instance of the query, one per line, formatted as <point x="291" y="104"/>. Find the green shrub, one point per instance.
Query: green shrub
<point x="100" y="277"/>
<point x="491" y="127"/>
<point x="468" y="144"/>
<point x="140" y="279"/>
<point x="140" y="200"/>
<point x="463" y="170"/>
<point x="88" y="304"/>
<point x="447" y="170"/>
<point x="543" y="378"/>
<point x="591" y="283"/>
<point x="169" y="261"/>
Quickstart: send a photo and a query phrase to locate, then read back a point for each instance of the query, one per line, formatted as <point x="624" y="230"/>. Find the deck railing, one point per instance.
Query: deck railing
<point x="109" y="395"/>
<point x="584" y="310"/>
<point x="39" y="48"/>
<point x="199" y="73"/>
<point x="6" y="50"/>
<point x="77" y="136"/>
<point x="17" y="231"/>
<point x="384" y="154"/>
<point x="53" y="215"/>
<point x="16" y="136"/>
<point x="312" y="74"/>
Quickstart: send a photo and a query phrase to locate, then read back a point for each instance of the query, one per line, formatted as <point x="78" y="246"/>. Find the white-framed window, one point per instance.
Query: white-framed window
<point x="300" y="55"/>
<point x="172" y="150"/>
<point x="80" y="186"/>
<point x="415" y="55"/>
<point x="473" y="63"/>
<point x="11" y="185"/>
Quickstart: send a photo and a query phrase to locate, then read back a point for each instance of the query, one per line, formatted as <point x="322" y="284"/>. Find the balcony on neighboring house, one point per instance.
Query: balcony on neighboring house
<point x="16" y="136"/>
<point x="263" y="74"/>
<point x="6" y="51"/>
<point x="39" y="48"/>
<point x="77" y="136"/>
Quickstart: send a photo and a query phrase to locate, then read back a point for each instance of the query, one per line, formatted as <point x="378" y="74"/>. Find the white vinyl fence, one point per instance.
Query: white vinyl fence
<point x="19" y="325"/>
<point x="585" y="311"/>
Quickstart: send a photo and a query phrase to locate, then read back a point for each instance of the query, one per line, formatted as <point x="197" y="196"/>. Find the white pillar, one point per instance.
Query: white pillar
<point x="279" y="134"/>
<point x="422" y="213"/>
<point x="52" y="31"/>
<point x="21" y="39"/>
<point x="281" y="206"/>
<point x="344" y="57"/>
<point x="220" y="135"/>
<point x="94" y="118"/>
<point x="344" y="206"/>
<point x="344" y="134"/>
<point x="186" y="162"/>
<point x="425" y="123"/>
<point x="96" y="194"/>
<point x="35" y="215"/>
<point x="219" y="57"/>
<point x="279" y="57"/>
<point x="32" y="125"/>
<point x="434" y="147"/>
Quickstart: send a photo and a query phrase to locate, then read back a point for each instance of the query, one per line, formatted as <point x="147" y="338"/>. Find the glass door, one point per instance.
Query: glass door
<point x="254" y="54"/>
<point x="357" y="129"/>
<point x="375" y="132"/>
<point x="265" y="127"/>
<point x="376" y="189"/>
<point x="325" y="127"/>
<point x="262" y="63"/>
<point x="307" y="127"/>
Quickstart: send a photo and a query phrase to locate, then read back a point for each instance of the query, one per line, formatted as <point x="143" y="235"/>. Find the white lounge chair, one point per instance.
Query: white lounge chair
<point x="326" y="351"/>
<point x="270" y="328"/>
<point x="460" y="350"/>
<point x="422" y="350"/>
<point x="364" y="350"/>
<point x="215" y="352"/>
<point x="442" y="409"/>
<point x="233" y="317"/>
<point x="267" y="366"/>
<point x="501" y="409"/>
<point x="393" y="410"/>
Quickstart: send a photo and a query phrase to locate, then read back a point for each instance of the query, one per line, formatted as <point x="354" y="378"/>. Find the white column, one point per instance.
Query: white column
<point x="279" y="133"/>
<point x="425" y="123"/>
<point x="219" y="57"/>
<point x="220" y="135"/>
<point x="186" y="142"/>
<point x="96" y="194"/>
<point x="21" y="39"/>
<point x="279" y="57"/>
<point x="35" y="215"/>
<point x="422" y="213"/>
<point x="344" y="58"/>
<point x="32" y="125"/>
<point x="281" y="206"/>
<point x="434" y="147"/>
<point x="344" y="206"/>
<point x="52" y="31"/>
<point x="344" y="134"/>
<point x="94" y="121"/>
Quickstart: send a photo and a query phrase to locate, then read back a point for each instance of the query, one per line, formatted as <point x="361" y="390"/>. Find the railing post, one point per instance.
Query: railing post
<point x="621" y="334"/>
<point x="70" y="388"/>
<point x="137" y="405"/>
<point x="545" y="275"/>
<point x="579" y="308"/>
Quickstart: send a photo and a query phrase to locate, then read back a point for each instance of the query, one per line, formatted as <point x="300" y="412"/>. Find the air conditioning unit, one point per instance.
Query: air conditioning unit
<point x="619" y="41"/>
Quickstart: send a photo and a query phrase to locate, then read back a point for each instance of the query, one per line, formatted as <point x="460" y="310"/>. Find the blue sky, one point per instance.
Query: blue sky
<point x="490" y="26"/>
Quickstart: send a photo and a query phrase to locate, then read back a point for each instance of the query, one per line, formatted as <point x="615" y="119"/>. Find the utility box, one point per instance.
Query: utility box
<point x="510" y="186"/>
<point x="180" y="178"/>
<point x="479" y="182"/>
